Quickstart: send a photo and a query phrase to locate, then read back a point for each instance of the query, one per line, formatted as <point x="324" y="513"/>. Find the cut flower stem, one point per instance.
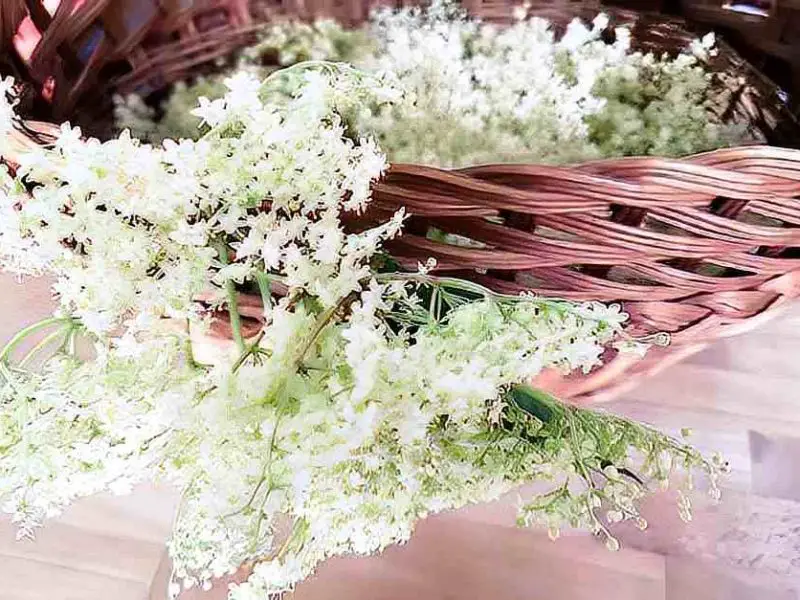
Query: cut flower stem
<point x="232" y="299"/>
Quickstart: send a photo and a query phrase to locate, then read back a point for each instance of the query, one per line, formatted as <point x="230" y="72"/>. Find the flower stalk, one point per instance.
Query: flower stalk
<point x="23" y="334"/>
<point x="232" y="299"/>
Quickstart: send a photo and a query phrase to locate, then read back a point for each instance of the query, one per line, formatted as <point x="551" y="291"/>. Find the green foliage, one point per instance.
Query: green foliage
<point x="607" y="463"/>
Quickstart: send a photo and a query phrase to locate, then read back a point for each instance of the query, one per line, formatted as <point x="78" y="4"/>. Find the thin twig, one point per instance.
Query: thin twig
<point x="251" y="349"/>
<point x="322" y="321"/>
<point x="263" y="281"/>
<point x="232" y="299"/>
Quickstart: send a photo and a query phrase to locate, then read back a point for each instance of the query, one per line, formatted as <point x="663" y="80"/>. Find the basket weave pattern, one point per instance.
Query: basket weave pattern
<point x="700" y="247"/>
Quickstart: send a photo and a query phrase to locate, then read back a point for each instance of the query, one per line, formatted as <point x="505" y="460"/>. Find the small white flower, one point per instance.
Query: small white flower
<point x="705" y="47"/>
<point x="430" y="265"/>
<point x="212" y="112"/>
<point x="190" y="235"/>
<point x="600" y="22"/>
<point x="243" y="91"/>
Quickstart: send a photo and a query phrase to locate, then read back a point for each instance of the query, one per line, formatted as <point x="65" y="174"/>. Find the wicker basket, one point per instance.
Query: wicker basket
<point x="701" y="247"/>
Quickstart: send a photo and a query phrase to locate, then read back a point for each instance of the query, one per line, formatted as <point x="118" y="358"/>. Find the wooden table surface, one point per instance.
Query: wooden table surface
<point x="741" y="396"/>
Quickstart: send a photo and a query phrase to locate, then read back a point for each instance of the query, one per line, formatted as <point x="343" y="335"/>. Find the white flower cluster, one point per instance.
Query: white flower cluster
<point x="369" y="399"/>
<point x="291" y="42"/>
<point x="517" y="89"/>
<point x="80" y="428"/>
<point x="176" y="119"/>
<point x="367" y="434"/>
<point x="130" y="229"/>
<point x="282" y="44"/>
<point x="529" y="96"/>
<point x="524" y="93"/>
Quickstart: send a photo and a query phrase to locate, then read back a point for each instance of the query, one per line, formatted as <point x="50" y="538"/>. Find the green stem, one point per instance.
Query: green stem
<point x="322" y="321"/>
<point x="29" y="330"/>
<point x="251" y="349"/>
<point x="264" y="287"/>
<point x="69" y="345"/>
<point x="188" y="349"/>
<point x="583" y="472"/>
<point x="6" y="375"/>
<point x="46" y="341"/>
<point x="266" y="471"/>
<point x="461" y="285"/>
<point x="489" y="445"/>
<point x="433" y="309"/>
<point x="233" y="300"/>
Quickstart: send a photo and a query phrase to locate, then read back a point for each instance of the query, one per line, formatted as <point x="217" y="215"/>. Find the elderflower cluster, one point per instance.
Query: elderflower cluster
<point x="371" y="433"/>
<point x="523" y="92"/>
<point x="369" y="399"/>
<point x="78" y="428"/>
<point x="530" y="96"/>
<point x="176" y="119"/>
<point x="281" y="44"/>
<point x="291" y="42"/>
<point x="262" y="170"/>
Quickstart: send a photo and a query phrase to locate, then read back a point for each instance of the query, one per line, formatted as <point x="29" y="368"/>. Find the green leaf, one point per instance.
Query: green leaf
<point x="536" y="403"/>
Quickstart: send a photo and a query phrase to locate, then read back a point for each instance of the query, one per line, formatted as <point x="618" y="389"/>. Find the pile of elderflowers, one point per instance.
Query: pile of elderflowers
<point x="524" y="92"/>
<point x="282" y="44"/>
<point x="367" y="399"/>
